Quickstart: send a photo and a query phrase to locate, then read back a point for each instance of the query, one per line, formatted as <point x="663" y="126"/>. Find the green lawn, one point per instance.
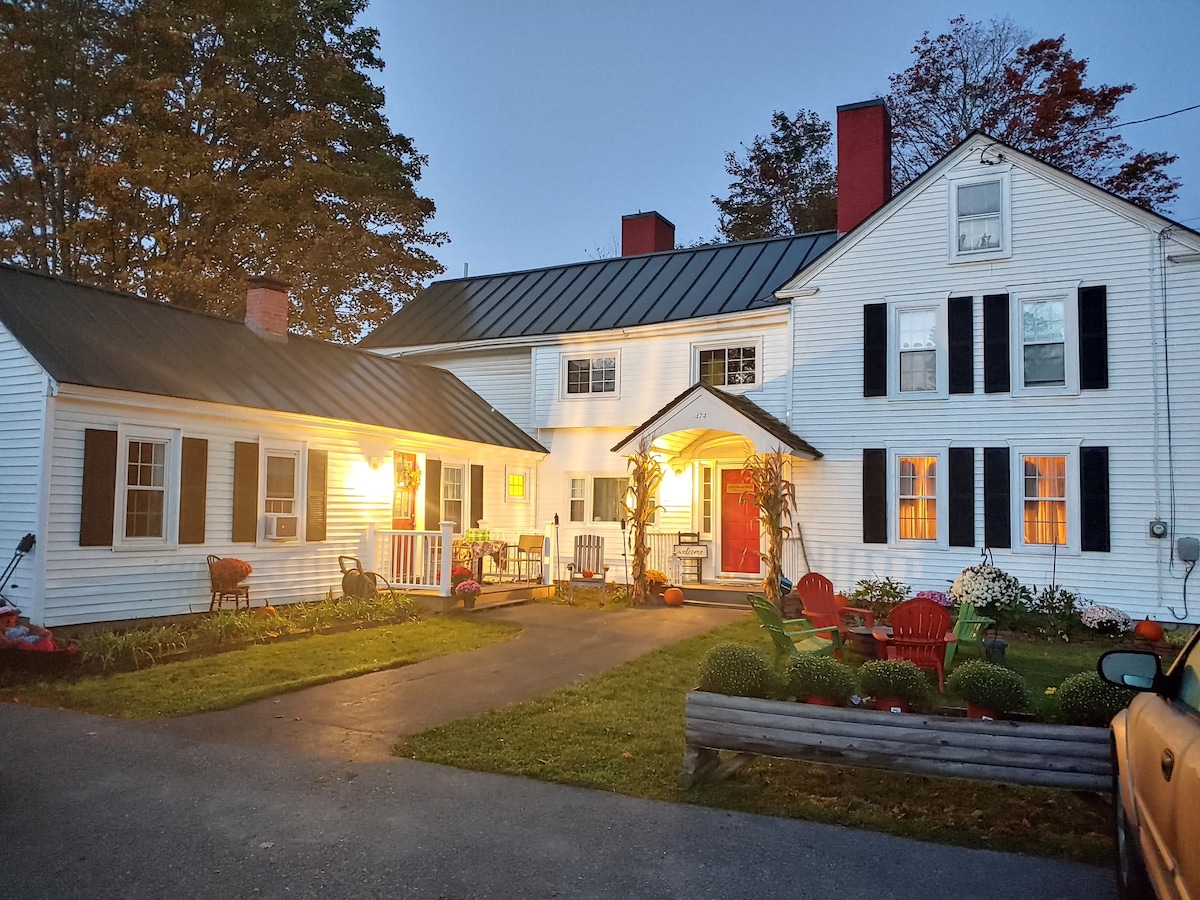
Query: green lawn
<point x="239" y="676"/>
<point x="623" y="731"/>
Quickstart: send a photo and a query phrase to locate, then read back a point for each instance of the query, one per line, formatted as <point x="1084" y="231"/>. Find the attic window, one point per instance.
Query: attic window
<point x="584" y="375"/>
<point x="979" y="217"/>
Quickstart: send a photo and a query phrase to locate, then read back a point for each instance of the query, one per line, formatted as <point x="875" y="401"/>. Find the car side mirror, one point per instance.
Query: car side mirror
<point x="1135" y="669"/>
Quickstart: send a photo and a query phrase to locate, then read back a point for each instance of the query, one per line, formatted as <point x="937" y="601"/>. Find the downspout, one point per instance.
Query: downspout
<point x="37" y="611"/>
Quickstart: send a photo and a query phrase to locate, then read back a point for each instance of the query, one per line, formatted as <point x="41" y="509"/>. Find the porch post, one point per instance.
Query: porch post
<point x="447" y="558"/>
<point x="370" y="554"/>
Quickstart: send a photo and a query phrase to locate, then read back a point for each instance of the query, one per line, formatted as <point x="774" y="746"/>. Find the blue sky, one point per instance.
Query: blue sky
<point x="545" y="121"/>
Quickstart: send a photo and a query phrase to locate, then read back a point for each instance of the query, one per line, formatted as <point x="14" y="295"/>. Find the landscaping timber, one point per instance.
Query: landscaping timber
<point x="1045" y="755"/>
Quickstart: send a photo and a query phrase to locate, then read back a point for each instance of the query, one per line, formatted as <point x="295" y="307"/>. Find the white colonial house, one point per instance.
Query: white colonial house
<point x="141" y="438"/>
<point x="998" y="358"/>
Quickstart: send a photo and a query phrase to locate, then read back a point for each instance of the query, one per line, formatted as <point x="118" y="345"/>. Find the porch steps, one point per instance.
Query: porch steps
<point x="718" y="595"/>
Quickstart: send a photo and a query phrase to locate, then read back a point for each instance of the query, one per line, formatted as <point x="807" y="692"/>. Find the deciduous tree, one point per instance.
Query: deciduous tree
<point x="784" y="184"/>
<point x="198" y="141"/>
<point x="1032" y="95"/>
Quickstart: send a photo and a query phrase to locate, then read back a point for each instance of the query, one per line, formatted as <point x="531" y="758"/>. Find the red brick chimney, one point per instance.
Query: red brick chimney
<point x="267" y="308"/>
<point x="864" y="161"/>
<point x="646" y="233"/>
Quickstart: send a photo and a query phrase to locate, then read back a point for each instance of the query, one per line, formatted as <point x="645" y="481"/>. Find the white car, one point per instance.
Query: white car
<point x="1156" y="773"/>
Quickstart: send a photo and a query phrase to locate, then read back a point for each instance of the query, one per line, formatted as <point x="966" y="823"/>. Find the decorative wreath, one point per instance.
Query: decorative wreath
<point x="409" y="477"/>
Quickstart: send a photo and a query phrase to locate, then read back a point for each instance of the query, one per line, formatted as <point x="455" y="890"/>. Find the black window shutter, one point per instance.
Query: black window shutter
<point x="245" y="492"/>
<point x="962" y="497"/>
<point x="1093" y="497"/>
<point x="874" y="466"/>
<point x="99" y="488"/>
<point x="476" y="495"/>
<point x="1093" y="338"/>
<point x="315" y="495"/>
<point x="193" y="490"/>
<point x="997" y="509"/>
<point x="433" y="494"/>
<point x="961" y="332"/>
<point x="875" y="376"/>
<point x="995" y="344"/>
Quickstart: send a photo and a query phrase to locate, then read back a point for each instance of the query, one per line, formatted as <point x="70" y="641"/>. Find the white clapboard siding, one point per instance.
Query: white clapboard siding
<point x="23" y="389"/>
<point x="1058" y="236"/>
<point x="95" y="584"/>
<point x="502" y="377"/>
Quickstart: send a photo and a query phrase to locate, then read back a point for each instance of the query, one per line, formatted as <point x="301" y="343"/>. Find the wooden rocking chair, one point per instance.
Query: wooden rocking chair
<point x="588" y="567"/>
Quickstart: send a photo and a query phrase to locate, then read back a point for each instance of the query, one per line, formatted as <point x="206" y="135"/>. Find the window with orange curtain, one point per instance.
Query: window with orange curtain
<point x="917" y="491"/>
<point x="1045" y="500"/>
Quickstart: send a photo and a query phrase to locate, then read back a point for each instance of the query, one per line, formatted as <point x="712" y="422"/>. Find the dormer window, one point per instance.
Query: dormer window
<point x="979" y="226"/>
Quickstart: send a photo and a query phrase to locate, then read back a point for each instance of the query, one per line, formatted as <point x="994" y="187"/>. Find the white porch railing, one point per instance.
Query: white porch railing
<point x="413" y="559"/>
<point x="662" y="543"/>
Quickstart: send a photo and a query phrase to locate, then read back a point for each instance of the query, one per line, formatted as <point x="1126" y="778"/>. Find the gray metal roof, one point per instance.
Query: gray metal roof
<point x="100" y="338"/>
<point x="601" y="294"/>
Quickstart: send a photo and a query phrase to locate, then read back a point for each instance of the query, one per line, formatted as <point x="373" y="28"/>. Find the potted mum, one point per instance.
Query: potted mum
<point x="459" y="574"/>
<point x="896" y="684"/>
<point x="656" y="581"/>
<point x="228" y="572"/>
<point x="1106" y="620"/>
<point x="468" y="591"/>
<point x="990" y="590"/>
<point x="989" y="690"/>
<point x="819" y="679"/>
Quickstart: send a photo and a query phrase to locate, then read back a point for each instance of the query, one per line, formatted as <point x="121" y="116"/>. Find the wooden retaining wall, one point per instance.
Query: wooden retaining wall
<point x="1059" y="756"/>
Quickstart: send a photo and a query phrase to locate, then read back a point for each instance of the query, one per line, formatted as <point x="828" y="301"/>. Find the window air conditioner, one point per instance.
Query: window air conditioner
<point x="281" y="528"/>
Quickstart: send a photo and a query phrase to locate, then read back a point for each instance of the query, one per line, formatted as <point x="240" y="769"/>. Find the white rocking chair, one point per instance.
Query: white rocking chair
<point x="589" y="557"/>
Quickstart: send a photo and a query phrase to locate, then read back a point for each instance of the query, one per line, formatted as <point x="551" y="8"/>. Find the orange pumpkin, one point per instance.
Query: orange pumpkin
<point x="588" y="573"/>
<point x="264" y="612"/>
<point x="1148" y="630"/>
<point x="673" y="597"/>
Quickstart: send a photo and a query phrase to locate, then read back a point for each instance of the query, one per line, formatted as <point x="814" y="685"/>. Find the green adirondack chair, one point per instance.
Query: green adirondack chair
<point x="790" y="640"/>
<point x="968" y="628"/>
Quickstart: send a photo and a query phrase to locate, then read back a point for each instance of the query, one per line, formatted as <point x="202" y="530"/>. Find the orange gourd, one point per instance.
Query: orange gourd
<point x="588" y="573"/>
<point x="673" y="597"/>
<point x="1148" y="630"/>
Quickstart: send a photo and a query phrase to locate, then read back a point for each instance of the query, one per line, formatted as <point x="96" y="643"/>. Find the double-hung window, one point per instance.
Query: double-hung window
<point x="979" y="217"/>
<point x="1044" y="340"/>
<point x="598" y="498"/>
<point x="148" y="467"/>
<point x="729" y="366"/>
<point x="453" y="485"/>
<point x="281" y="473"/>
<point x="918" y="346"/>
<point x="1046" y="501"/>
<point x="919" y="491"/>
<point x="585" y="375"/>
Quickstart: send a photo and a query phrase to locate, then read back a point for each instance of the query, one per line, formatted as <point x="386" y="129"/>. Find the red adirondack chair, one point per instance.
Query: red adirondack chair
<point x="820" y="606"/>
<point x="920" y="632"/>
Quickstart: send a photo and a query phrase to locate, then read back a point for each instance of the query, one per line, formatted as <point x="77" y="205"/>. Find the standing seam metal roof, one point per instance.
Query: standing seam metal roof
<point x="601" y="294"/>
<point x="100" y="338"/>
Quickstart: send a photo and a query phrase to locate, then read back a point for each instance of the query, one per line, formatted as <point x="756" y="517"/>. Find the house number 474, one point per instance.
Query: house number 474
<point x="701" y="415"/>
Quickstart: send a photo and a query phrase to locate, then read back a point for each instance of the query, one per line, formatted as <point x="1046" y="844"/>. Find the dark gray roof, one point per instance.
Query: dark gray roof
<point x="748" y="408"/>
<point x="604" y="293"/>
<point x="99" y="338"/>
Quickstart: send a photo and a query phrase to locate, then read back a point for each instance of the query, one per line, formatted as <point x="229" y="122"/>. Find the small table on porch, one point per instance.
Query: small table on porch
<point x="472" y="553"/>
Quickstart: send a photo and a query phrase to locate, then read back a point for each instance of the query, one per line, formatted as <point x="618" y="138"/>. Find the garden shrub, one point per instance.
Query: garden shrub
<point x="737" y="670"/>
<point x="1087" y="699"/>
<point x="898" y="678"/>
<point x="1177" y="637"/>
<point x="989" y="686"/>
<point x="880" y="595"/>
<point x="1106" y="620"/>
<point x="818" y="676"/>
<point x="1057" y="611"/>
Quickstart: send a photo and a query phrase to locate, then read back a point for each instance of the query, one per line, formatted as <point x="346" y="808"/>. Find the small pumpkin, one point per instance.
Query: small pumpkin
<point x="1148" y="630"/>
<point x="673" y="597"/>
<point x="264" y="612"/>
<point x="588" y="573"/>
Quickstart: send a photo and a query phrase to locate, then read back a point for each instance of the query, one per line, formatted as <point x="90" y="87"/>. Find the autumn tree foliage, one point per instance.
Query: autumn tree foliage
<point x="1032" y="95"/>
<point x="173" y="147"/>
<point x="784" y="183"/>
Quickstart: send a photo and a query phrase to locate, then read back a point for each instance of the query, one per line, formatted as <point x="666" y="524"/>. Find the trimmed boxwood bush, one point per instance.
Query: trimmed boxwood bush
<point x="818" y="676"/>
<point x="1087" y="699"/>
<point x="737" y="670"/>
<point x="989" y="686"/>
<point x="899" y="678"/>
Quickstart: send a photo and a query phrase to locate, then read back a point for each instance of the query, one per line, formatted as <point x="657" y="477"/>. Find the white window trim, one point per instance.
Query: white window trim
<point x="173" y="438"/>
<point x="1068" y="293"/>
<point x="518" y="470"/>
<point x="755" y="342"/>
<point x="1001" y="173"/>
<point x="1017" y="454"/>
<point x="589" y="495"/>
<point x="465" y="500"/>
<point x="943" y="350"/>
<point x="942" y="453"/>
<point x="564" y="358"/>
<point x="298" y="449"/>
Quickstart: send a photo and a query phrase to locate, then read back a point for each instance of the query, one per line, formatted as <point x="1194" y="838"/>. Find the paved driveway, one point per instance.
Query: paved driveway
<point x="238" y="805"/>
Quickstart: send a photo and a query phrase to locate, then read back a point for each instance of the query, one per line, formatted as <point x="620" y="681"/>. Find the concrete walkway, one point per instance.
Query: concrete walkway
<point x="361" y="718"/>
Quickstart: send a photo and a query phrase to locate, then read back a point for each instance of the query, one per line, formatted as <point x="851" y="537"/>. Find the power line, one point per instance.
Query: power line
<point x="1151" y="119"/>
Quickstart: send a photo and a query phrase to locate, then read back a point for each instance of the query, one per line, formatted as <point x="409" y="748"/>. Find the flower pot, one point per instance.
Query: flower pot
<point x="862" y="641"/>
<point x="993" y="650"/>
<point x="980" y="712"/>
<point x="657" y="590"/>
<point x="819" y="701"/>
<point x="891" y="704"/>
<point x="468" y="600"/>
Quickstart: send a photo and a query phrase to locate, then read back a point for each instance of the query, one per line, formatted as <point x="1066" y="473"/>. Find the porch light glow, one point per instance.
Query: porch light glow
<point x="676" y="488"/>
<point x="368" y="481"/>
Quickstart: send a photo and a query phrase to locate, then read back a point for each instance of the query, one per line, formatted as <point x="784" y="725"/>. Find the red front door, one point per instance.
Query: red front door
<point x="739" y="530"/>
